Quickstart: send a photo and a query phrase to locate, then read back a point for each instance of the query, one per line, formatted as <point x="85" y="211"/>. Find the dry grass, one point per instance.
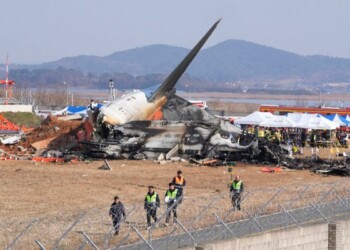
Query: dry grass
<point x="58" y="194"/>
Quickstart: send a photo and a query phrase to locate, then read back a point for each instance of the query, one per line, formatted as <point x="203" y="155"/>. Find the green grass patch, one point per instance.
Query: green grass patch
<point x="27" y="119"/>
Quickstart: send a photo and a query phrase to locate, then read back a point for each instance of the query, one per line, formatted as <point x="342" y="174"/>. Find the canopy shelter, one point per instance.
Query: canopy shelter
<point x="278" y="121"/>
<point x="254" y="118"/>
<point x="316" y="122"/>
<point x="347" y="117"/>
<point x="297" y="117"/>
<point x="338" y="119"/>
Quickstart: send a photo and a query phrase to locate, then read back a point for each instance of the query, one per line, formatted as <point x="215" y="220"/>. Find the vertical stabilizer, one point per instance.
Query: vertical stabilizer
<point x="169" y="83"/>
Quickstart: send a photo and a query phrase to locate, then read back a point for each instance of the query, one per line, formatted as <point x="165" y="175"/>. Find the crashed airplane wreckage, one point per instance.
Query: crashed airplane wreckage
<point x="185" y="129"/>
<point x="126" y="128"/>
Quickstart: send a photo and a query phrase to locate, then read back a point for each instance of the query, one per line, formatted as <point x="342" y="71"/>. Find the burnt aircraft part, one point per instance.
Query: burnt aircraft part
<point x="179" y="109"/>
<point x="169" y="83"/>
<point x="152" y="138"/>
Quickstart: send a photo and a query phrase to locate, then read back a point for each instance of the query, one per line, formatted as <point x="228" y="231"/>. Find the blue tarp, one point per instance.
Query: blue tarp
<point x="75" y="109"/>
<point x="336" y="118"/>
<point x="79" y="109"/>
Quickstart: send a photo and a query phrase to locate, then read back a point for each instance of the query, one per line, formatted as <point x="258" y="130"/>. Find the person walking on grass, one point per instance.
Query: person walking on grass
<point x="179" y="182"/>
<point x="117" y="213"/>
<point x="236" y="192"/>
<point x="171" y="199"/>
<point x="151" y="204"/>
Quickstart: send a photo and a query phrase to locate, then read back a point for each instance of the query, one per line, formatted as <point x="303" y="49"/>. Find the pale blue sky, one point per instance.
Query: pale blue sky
<point x="38" y="31"/>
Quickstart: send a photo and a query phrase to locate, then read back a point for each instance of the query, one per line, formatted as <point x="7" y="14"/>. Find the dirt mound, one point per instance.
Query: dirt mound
<point x="51" y="134"/>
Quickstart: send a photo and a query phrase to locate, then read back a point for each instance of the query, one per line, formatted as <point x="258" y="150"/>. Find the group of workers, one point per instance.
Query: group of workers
<point x="298" y="138"/>
<point x="173" y="197"/>
<point x="249" y="133"/>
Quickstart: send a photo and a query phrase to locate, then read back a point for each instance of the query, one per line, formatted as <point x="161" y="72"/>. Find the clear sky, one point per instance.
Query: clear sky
<point x="38" y="31"/>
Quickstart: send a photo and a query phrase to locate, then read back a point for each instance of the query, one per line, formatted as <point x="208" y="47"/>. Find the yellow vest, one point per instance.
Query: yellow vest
<point x="261" y="133"/>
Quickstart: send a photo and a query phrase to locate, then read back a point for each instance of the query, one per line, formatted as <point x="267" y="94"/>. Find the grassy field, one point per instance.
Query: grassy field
<point x="26" y="119"/>
<point x="56" y="194"/>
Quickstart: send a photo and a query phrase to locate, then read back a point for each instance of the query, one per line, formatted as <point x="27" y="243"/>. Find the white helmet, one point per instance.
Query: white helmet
<point x="166" y="199"/>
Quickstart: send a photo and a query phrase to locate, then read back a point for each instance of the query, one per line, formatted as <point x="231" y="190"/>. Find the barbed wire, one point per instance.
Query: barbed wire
<point x="200" y="219"/>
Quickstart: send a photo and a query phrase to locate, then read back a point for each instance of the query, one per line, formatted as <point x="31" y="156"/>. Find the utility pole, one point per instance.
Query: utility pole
<point x="319" y="100"/>
<point x="111" y="85"/>
<point x="67" y="92"/>
<point x="188" y="89"/>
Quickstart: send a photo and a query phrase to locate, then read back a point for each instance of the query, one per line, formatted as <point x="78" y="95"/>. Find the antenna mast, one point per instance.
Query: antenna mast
<point x="7" y="76"/>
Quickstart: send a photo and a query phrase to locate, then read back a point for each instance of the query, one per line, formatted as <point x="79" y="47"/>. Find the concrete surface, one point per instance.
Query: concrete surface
<point x="16" y="108"/>
<point x="332" y="236"/>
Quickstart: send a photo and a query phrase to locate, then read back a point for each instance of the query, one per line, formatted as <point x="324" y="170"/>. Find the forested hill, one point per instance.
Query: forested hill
<point x="229" y="61"/>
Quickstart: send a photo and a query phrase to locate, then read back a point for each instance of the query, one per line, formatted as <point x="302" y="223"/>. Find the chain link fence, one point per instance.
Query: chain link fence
<point x="201" y="219"/>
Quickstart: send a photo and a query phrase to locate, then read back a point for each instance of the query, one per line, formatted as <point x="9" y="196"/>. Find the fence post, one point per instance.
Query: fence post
<point x="122" y="241"/>
<point x="319" y="212"/>
<point x="195" y="219"/>
<point x="178" y="222"/>
<point x="342" y="201"/>
<point x="81" y="247"/>
<point x="326" y="194"/>
<point x="253" y="218"/>
<point x="335" y="240"/>
<point x="90" y="241"/>
<point x="21" y="234"/>
<point x="142" y="238"/>
<point x="40" y="245"/>
<point x="289" y="215"/>
<point x="67" y="231"/>
<point x="224" y="224"/>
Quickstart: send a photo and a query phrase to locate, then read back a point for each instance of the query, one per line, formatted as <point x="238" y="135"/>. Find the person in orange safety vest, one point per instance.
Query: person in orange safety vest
<point x="179" y="182"/>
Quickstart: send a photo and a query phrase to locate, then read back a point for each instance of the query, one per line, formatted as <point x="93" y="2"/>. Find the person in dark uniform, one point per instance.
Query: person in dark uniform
<point x="303" y="139"/>
<point x="151" y="204"/>
<point x="117" y="212"/>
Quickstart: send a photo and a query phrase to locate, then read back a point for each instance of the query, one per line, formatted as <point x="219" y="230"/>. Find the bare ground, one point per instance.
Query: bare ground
<point x="29" y="190"/>
<point x="57" y="194"/>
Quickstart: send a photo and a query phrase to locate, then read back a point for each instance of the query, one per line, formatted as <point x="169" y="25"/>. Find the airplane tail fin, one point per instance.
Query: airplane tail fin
<point x="172" y="79"/>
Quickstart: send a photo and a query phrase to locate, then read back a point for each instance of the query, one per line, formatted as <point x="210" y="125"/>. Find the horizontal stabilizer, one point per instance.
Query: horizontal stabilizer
<point x="172" y="79"/>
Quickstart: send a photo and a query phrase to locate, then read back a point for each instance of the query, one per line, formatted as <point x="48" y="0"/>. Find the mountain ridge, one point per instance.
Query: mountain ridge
<point x="228" y="61"/>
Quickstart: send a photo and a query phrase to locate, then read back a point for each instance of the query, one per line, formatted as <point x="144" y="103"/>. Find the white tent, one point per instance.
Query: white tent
<point x="298" y="117"/>
<point x="295" y="117"/>
<point x="314" y="122"/>
<point x="278" y="121"/>
<point x="254" y="118"/>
